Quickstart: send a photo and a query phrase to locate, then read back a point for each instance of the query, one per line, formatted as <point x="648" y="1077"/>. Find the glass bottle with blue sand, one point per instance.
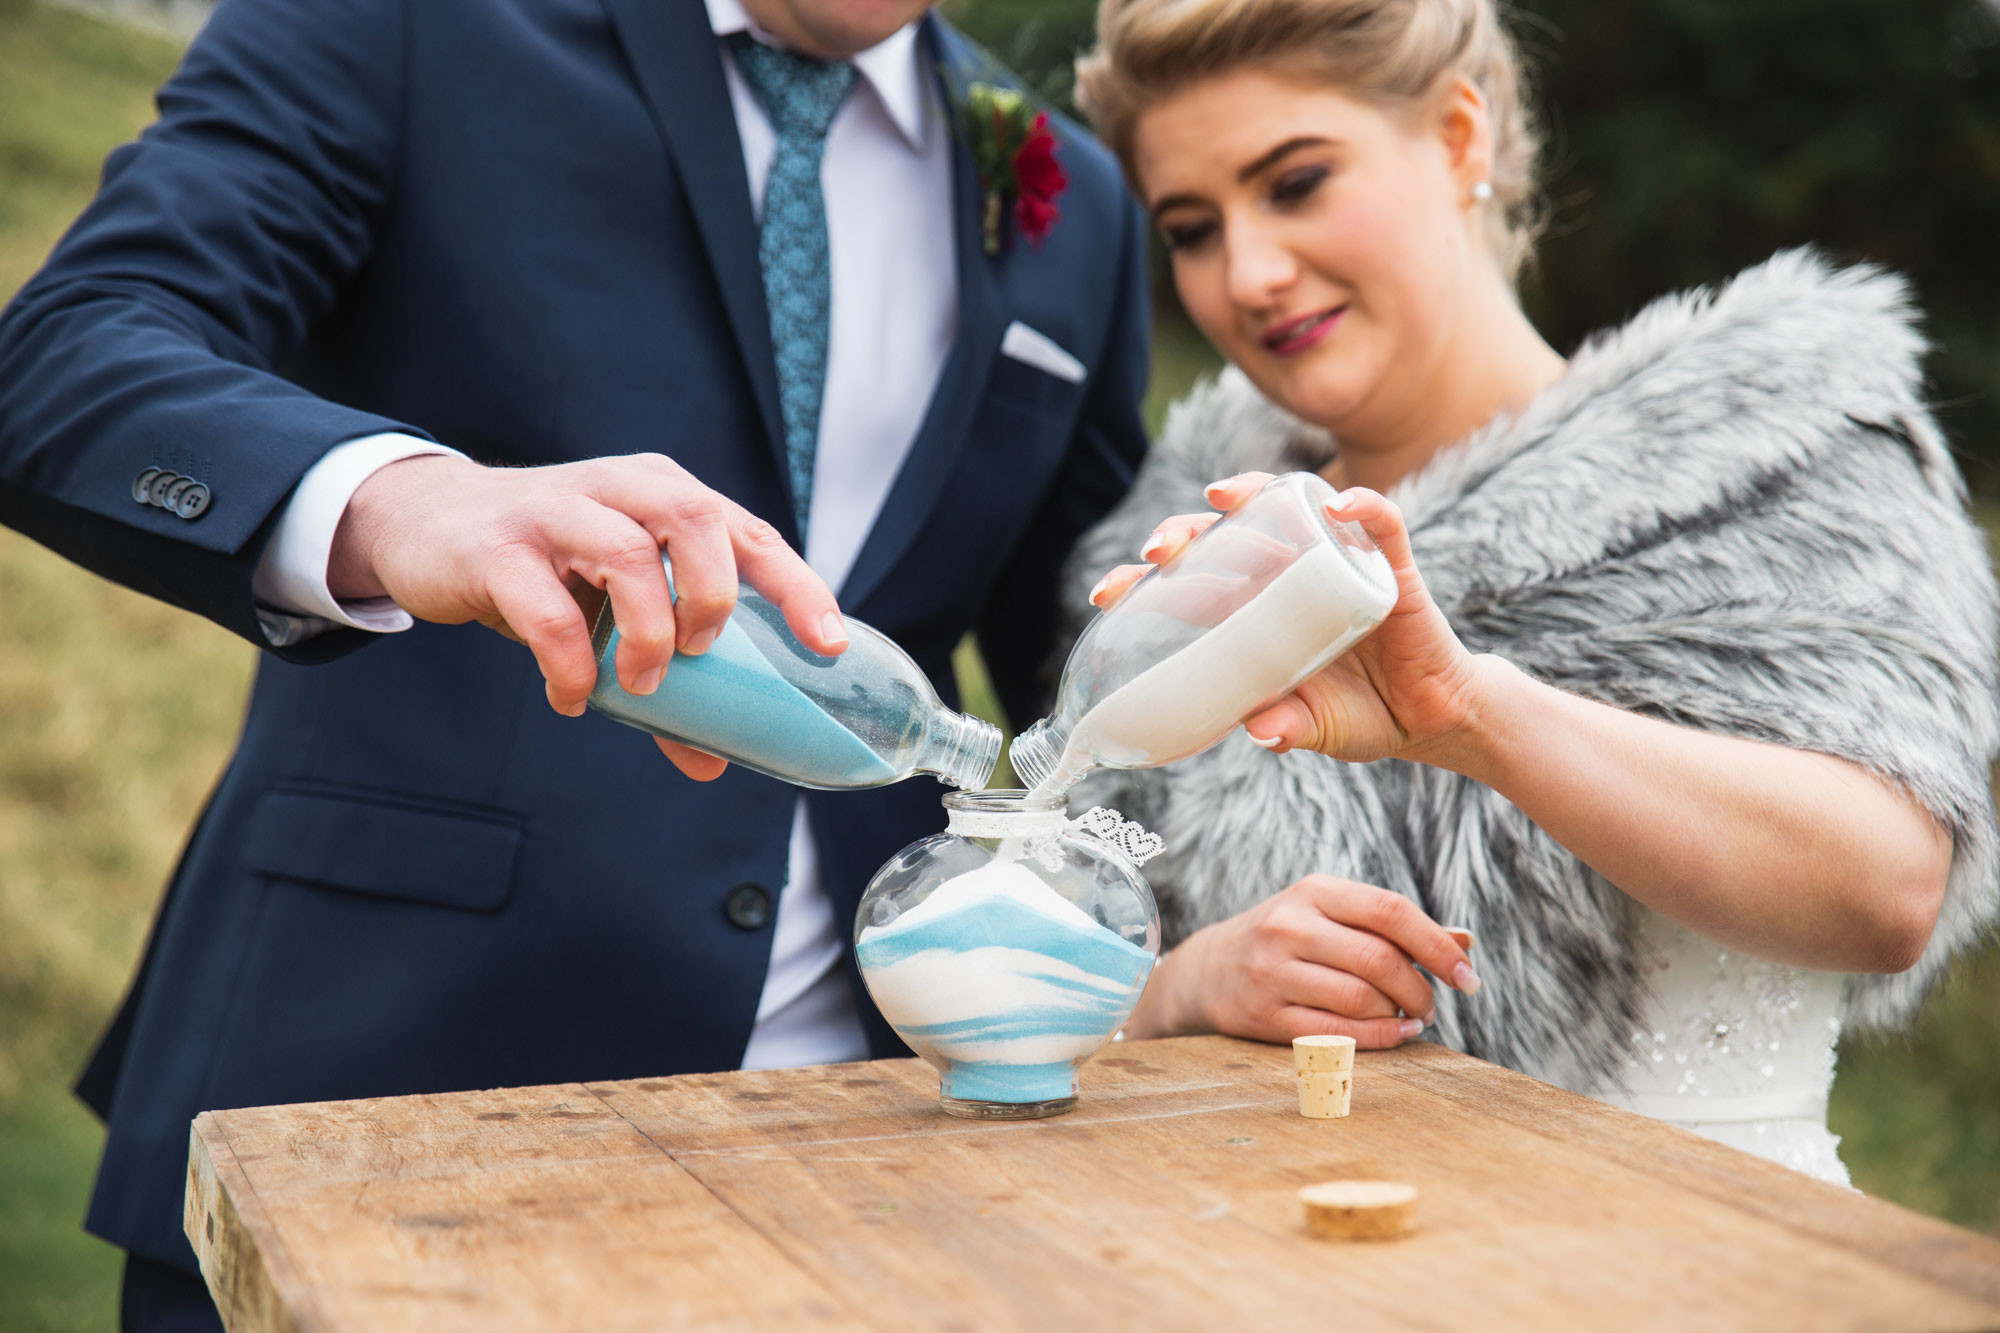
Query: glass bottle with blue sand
<point x="760" y="698"/>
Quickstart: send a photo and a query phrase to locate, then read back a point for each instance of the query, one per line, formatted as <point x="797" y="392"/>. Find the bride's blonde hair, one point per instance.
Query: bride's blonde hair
<point x="1388" y="52"/>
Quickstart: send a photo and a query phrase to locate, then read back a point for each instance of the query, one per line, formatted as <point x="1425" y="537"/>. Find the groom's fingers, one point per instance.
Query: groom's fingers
<point x="608" y="551"/>
<point x="769" y="564"/>
<point x="540" y="612"/>
<point x="697" y="764"/>
<point x="713" y="542"/>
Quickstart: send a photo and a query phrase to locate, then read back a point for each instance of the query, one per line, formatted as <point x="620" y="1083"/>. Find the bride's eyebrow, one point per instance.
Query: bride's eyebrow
<point x="1279" y="153"/>
<point x="1263" y="162"/>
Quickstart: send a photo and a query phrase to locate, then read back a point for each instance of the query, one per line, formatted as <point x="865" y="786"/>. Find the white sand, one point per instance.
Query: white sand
<point x="1316" y="610"/>
<point x="1004" y="879"/>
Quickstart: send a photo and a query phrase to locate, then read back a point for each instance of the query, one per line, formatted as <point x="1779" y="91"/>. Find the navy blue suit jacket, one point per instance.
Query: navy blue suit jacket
<point x="521" y="227"/>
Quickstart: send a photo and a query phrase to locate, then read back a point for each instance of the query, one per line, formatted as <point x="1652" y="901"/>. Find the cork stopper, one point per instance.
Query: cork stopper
<point x="1360" y="1209"/>
<point x="1323" y="1055"/>
<point x="1326" y="1096"/>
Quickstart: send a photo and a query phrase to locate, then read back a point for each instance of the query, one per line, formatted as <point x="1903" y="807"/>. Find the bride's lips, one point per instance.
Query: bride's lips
<point x="1296" y="335"/>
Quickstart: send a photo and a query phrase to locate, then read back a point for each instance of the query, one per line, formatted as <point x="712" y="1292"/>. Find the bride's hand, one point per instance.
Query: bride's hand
<point x="1324" y="956"/>
<point x="1404" y="691"/>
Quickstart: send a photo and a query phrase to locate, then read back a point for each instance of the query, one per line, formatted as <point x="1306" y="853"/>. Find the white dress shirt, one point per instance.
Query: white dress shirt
<point x="886" y="176"/>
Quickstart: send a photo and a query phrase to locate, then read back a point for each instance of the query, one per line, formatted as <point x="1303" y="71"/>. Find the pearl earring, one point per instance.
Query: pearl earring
<point x="1482" y="191"/>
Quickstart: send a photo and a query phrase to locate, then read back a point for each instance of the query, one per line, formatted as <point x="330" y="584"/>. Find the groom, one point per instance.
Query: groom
<point x="453" y="309"/>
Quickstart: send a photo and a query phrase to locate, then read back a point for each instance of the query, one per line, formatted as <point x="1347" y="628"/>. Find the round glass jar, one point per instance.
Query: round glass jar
<point x="1006" y="950"/>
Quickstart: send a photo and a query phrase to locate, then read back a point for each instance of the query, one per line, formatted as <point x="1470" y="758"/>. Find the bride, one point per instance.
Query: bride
<point x="1687" y="706"/>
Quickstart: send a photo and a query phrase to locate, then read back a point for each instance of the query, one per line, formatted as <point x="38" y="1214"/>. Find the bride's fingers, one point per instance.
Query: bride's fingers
<point x="1333" y="990"/>
<point x="1382" y="520"/>
<point x="1370" y="1034"/>
<point x="1116" y="584"/>
<point x="1286" y="725"/>
<point x="1232" y="491"/>
<point x="1172" y="534"/>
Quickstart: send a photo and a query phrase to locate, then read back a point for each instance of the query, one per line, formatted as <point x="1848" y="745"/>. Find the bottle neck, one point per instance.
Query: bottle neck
<point x="1037" y="753"/>
<point x="1004" y="814"/>
<point x="960" y="749"/>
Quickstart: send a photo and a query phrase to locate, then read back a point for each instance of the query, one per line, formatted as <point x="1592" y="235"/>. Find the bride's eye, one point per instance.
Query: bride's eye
<point x="1187" y="235"/>
<point x="1295" y="187"/>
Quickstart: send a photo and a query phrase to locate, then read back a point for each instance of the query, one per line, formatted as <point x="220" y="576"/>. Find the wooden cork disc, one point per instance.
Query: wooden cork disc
<point x="1360" y="1209"/>
<point x="1323" y="1055"/>
<point x="1325" y="1096"/>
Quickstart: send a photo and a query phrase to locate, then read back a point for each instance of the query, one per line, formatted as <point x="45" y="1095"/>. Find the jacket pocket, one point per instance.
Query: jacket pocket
<point x="386" y="848"/>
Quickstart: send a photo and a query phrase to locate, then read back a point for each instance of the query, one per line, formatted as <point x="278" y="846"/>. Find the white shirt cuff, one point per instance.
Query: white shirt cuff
<point x="293" y="602"/>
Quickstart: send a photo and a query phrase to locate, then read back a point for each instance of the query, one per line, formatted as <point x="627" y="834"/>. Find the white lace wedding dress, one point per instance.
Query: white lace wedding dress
<point x="1737" y="1049"/>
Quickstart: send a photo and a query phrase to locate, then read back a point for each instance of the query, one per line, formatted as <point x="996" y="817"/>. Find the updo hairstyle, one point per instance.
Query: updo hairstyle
<point x="1390" y="53"/>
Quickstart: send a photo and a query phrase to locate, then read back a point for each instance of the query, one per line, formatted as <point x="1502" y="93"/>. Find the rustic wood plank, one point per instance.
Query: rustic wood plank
<point x="1949" y="1256"/>
<point x="234" y="1242"/>
<point x="842" y="1197"/>
<point x="1169" y="1199"/>
<point x="527" y="1209"/>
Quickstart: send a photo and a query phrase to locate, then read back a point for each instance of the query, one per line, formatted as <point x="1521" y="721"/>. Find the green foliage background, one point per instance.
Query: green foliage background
<point x="1694" y="136"/>
<point x="1689" y="139"/>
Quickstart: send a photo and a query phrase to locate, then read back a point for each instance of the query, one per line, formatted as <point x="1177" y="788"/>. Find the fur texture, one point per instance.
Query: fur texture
<point x="1735" y="513"/>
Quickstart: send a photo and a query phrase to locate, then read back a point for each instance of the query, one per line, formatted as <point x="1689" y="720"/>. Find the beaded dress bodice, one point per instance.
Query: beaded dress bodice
<point x="1736" y="1049"/>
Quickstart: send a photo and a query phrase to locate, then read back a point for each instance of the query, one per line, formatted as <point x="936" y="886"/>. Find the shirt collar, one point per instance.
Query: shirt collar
<point x="892" y="66"/>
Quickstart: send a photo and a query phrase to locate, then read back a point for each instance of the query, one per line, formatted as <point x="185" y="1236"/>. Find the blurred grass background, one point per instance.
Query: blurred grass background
<point x="116" y="714"/>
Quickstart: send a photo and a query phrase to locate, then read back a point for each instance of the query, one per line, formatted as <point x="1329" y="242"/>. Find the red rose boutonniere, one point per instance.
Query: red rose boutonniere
<point x="1015" y="151"/>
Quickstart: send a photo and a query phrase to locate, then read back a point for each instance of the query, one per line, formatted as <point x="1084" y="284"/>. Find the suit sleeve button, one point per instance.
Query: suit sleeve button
<point x="171" y="501"/>
<point x="748" y="907"/>
<point x="156" y="493"/>
<point x="142" y="485"/>
<point x="193" y="502"/>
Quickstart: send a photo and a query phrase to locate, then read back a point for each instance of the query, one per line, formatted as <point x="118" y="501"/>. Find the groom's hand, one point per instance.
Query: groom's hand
<point x="526" y="550"/>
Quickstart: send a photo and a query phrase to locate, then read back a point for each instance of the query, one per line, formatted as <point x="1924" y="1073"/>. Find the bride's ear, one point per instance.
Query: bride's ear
<point x="1464" y="126"/>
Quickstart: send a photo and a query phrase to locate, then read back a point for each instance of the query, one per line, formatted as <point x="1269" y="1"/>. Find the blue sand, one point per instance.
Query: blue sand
<point x="975" y="1082"/>
<point x="1000" y="922"/>
<point x="732" y="701"/>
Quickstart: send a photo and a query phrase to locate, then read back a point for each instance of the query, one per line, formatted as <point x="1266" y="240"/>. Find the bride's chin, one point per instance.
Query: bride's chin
<point x="1314" y="398"/>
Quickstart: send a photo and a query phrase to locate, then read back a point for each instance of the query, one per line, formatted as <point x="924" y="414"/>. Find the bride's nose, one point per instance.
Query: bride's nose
<point x="1259" y="266"/>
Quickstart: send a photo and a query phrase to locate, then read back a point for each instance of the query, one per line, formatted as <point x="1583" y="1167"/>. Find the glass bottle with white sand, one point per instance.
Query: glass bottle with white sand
<point x="1009" y="948"/>
<point x="1235" y="621"/>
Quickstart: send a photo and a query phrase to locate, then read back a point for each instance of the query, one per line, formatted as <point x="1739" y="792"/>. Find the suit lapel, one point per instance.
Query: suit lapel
<point x="982" y="308"/>
<point x="678" y="62"/>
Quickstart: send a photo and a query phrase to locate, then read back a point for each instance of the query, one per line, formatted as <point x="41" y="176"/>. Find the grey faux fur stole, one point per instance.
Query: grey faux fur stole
<point x="1735" y="513"/>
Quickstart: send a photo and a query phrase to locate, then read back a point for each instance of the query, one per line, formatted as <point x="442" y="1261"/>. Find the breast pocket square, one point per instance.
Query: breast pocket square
<point x="1037" y="349"/>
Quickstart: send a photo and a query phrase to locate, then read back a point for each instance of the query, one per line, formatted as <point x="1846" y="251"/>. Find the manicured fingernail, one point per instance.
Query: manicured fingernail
<point x="1460" y="936"/>
<point x="1411" y="1027"/>
<point x="833" y="629"/>
<point x="1465" y="979"/>
<point x="702" y="642"/>
<point x="1098" y="591"/>
<point x="1271" y="744"/>
<point x="1152" y="547"/>
<point x="1208" y="491"/>
<point x="648" y="681"/>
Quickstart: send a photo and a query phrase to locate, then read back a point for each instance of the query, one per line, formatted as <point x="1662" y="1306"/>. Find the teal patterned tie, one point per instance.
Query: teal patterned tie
<point x="800" y="96"/>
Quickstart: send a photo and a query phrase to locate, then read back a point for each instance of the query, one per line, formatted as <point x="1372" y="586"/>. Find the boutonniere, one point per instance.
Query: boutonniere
<point x="1015" y="152"/>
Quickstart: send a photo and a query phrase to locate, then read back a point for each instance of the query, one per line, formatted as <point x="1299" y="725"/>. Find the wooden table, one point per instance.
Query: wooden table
<point x="841" y="1197"/>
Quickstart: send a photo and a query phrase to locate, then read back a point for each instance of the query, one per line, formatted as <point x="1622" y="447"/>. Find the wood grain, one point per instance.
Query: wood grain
<point x="842" y="1197"/>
